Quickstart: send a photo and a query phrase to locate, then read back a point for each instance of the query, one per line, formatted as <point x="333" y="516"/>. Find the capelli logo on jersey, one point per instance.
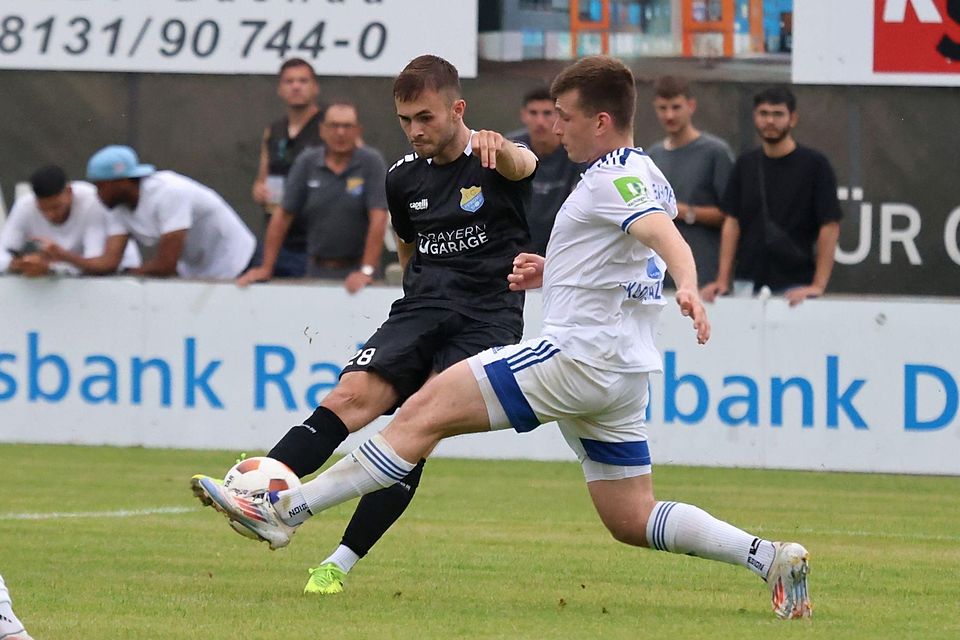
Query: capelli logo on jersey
<point x="419" y="205"/>
<point x="916" y="36"/>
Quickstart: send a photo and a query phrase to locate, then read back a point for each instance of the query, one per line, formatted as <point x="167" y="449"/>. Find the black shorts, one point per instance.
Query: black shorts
<point x="414" y="343"/>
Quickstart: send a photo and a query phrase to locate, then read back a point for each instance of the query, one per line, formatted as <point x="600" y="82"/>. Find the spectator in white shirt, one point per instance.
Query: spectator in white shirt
<point x="193" y="231"/>
<point x="58" y="213"/>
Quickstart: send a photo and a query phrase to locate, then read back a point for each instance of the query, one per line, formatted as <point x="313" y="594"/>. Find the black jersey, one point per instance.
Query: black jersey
<point x="282" y="150"/>
<point x="468" y="224"/>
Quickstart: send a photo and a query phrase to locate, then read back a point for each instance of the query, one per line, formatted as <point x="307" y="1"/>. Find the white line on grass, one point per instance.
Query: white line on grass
<point x="125" y="513"/>
<point x="132" y="513"/>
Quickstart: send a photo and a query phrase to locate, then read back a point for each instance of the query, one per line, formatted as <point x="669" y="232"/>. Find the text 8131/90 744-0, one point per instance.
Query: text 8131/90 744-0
<point x="171" y="37"/>
<point x="346" y="37"/>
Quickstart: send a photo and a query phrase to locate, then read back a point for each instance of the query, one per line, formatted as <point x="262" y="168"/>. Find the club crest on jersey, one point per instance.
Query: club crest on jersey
<point x="355" y="186"/>
<point x="631" y="189"/>
<point x="471" y="199"/>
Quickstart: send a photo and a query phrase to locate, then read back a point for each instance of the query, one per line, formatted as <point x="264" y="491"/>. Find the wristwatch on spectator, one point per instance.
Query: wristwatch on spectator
<point x="367" y="270"/>
<point x="690" y="215"/>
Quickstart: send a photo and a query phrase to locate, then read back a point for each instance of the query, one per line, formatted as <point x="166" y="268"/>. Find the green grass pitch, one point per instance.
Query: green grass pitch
<point x="487" y="550"/>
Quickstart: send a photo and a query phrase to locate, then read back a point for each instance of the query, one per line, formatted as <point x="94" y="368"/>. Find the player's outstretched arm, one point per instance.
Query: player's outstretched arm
<point x="658" y="232"/>
<point x="511" y="161"/>
<point x="527" y="272"/>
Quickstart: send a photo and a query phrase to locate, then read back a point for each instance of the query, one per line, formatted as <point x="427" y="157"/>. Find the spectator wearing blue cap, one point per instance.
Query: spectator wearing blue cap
<point x="194" y="232"/>
<point x="58" y="217"/>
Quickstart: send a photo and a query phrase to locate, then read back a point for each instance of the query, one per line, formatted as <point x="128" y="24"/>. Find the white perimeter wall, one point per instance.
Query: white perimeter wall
<point x="837" y="384"/>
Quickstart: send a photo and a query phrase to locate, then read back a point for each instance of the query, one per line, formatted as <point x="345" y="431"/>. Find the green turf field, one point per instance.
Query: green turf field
<point x="488" y="550"/>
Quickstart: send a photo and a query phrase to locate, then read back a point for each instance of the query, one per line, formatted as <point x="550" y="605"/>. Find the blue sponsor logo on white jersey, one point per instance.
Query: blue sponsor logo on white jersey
<point x="653" y="270"/>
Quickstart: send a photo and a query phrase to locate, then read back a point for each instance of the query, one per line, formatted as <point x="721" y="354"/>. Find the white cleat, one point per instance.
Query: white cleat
<point x="252" y="516"/>
<point x="10" y="627"/>
<point x="788" y="581"/>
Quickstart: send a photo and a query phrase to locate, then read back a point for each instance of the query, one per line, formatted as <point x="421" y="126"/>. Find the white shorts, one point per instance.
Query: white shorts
<point x="601" y="413"/>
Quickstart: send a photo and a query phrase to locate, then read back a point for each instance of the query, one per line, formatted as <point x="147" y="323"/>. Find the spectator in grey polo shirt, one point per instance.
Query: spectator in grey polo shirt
<point x="339" y="190"/>
<point x="698" y="165"/>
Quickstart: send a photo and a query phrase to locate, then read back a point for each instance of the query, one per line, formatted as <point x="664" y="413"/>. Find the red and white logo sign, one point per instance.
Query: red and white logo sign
<point x="916" y="36"/>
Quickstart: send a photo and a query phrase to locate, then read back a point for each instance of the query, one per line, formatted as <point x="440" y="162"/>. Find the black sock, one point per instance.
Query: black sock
<point x="377" y="511"/>
<point x="307" y="446"/>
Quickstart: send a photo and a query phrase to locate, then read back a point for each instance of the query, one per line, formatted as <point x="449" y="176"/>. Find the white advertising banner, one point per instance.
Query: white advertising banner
<point x="836" y="384"/>
<point x="877" y="42"/>
<point x="339" y="37"/>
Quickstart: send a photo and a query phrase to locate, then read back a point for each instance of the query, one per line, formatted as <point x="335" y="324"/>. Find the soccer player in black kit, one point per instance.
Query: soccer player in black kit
<point x="457" y="205"/>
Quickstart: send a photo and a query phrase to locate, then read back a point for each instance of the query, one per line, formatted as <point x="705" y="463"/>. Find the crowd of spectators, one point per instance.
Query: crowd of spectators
<point x="768" y="218"/>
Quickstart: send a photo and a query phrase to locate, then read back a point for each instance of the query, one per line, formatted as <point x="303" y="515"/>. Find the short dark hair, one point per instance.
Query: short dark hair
<point x="341" y="102"/>
<point x="776" y="94"/>
<point x="669" y="87"/>
<point x="536" y="94"/>
<point x="605" y="85"/>
<point x="426" y="73"/>
<point x="48" y="181"/>
<point x="293" y="63"/>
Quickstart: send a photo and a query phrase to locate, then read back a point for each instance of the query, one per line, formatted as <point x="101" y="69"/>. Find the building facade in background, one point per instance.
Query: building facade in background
<point x="568" y="29"/>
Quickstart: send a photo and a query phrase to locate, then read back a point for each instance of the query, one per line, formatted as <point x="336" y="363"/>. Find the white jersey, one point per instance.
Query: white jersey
<point x="602" y="288"/>
<point x="84" y="232"/>
<point x="218" y="244"/>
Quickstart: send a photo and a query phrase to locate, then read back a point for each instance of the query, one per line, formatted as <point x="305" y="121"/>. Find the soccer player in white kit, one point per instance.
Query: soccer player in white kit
<point x="602" y="289"/>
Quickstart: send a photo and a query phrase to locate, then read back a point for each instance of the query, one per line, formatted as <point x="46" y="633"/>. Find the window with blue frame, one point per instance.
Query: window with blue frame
<point x="544" y="5"/>
<point x="778" y="25"/>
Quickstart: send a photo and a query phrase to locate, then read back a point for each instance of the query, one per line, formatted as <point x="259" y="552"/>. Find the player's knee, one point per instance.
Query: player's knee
<point x="359" y="398"/>
<point x="409" y="411"/>
<point x="416" y="416"/>
<point x="629" y="526"/>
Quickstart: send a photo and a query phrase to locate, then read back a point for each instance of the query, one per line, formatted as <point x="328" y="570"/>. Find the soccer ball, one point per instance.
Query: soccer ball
<point x="259" y="474"/>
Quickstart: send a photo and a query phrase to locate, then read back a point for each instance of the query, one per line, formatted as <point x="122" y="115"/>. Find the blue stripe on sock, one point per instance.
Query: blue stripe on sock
<point x="381" y="462"/>
<point x="625" y="454"/>
<point x="375" y="451"/>
<point x="543" y="358"/>
<point x="654" y="539"/>
<point x="515" y="405"/>
<point x="362" y="450"/>
<point x="660" y="528"/>
<point x="385" y="458"/>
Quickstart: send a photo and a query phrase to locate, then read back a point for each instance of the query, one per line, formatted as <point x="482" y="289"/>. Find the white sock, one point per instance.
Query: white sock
<point x="291" y="506"/>
<point x="9" y="624"/>
<point x="374" y="465"/>
<point x="686" y="529"/>
<point x="343" y="557"/>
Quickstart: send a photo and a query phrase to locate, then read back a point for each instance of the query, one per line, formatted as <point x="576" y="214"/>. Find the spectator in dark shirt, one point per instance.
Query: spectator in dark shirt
<point x="337" y="190"/>
<point x="781" y="207"/>
<point x="283" y="141"/>
<point x="556" y="174"/>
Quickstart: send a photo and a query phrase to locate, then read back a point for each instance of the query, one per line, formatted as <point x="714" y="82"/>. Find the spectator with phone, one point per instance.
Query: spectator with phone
<point x="57" y="213"/>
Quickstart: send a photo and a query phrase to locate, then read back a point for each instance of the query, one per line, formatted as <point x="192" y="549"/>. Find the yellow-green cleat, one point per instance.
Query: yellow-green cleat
<point x="326" y="579"/>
